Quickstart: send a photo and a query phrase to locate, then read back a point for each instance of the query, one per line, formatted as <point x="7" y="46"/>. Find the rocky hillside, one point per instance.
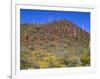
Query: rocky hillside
<point x="58" y="44"/>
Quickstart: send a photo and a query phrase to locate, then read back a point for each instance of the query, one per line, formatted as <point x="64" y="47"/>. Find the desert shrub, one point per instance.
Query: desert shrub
<point x="43" y="64"/>
<point x="32" y="48"/>
<point x="47" y="59"/>
<point x="52" y="45"/>
<point x="66" y="60"/>
<point x="71" y="61"/>
<point x="50" y="60"/>
<point x="85" y="58"/>
<point x="24" y="61"/>
<point x="41" y="58"/>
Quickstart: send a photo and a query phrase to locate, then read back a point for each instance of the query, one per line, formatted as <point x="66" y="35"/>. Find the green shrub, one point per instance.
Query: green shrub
<point x="85" y="59"/>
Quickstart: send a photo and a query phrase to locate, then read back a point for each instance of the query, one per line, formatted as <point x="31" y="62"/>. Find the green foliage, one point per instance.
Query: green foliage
<point x="85" y="58"/>
<point x="71" y="61"/>
<point x="25" y="63"/>
<point x="41" y="58"/>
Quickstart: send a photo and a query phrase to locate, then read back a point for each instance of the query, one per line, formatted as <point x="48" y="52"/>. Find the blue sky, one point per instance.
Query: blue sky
<point x="82" y="19"/>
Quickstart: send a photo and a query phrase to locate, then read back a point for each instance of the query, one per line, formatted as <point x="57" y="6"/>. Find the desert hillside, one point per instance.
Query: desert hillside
<point x="56" y="44"/>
